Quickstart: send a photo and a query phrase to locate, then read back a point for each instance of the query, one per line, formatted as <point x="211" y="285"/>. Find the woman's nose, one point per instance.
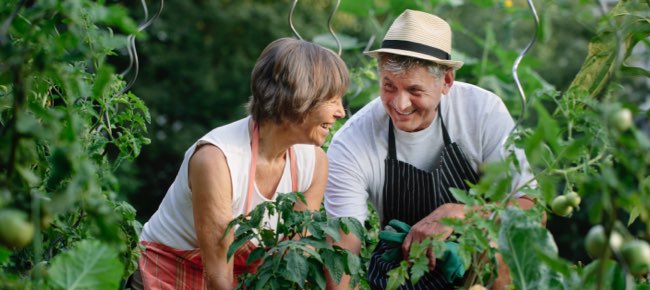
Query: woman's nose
<point x="340" y="111"/>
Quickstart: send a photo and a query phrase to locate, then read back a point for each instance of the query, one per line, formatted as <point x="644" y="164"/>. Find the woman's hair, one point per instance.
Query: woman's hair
<point x="292" y="77"/>
<point x="398" y="64"/>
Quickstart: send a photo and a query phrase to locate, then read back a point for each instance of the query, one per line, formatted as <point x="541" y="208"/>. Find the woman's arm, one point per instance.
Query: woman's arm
<point x="315" y="192"/>
<point x="209" y="179"/>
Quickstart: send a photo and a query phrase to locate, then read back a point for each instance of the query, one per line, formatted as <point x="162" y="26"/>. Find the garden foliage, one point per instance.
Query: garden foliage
<point x="66" y="125"/>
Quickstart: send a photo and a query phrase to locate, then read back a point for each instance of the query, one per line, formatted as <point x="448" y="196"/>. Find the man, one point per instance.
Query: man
<point x="425" y="134"/>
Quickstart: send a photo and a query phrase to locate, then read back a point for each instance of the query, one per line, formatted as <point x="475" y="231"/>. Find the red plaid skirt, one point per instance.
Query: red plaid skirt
<point x="163" y="267"/>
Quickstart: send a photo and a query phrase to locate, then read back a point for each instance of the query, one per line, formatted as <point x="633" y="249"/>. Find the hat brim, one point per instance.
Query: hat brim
<point x="455" y="64"/>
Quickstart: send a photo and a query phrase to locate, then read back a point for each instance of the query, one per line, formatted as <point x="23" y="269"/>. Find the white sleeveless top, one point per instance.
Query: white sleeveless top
<point x="173" y="223"/>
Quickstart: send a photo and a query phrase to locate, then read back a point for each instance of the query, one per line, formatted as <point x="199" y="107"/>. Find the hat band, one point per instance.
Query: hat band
<point x="415" y="47"/>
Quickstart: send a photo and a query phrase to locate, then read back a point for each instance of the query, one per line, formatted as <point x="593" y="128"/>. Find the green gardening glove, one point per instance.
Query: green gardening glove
<point x="393" y="234"/>
<point x="452" y="266"/>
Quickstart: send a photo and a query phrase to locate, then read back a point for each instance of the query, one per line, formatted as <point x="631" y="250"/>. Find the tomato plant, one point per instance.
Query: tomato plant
<point x="295" y="254"/>
<point x="67" y="123"/>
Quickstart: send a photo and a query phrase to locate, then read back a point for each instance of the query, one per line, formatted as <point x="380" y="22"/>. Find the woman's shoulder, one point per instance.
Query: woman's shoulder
<point x="229" y="137"/>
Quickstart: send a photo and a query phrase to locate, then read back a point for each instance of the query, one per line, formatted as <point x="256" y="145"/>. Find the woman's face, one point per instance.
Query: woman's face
<point x="316" y="126"/>
<point x="412" y="97"/>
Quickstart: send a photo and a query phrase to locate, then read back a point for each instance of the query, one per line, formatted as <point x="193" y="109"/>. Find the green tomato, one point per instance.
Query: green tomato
<point x="636" y="254"/>
<point x="40" y="270"/>
<point x="561" y="206"/>
<point x="595" y="242"/>
<point x="622" y="119"/>
<point x="16" y="231"/>
<point x="573" y="198"/>
<point x="615" y="241"/>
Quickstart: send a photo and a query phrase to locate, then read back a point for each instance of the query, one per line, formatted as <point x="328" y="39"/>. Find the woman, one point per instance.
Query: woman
<point x="296" y="98"/>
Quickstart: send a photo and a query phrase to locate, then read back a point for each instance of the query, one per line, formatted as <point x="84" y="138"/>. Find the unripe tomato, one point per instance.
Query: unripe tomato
<point x="16" y="231"/>
<point x="595" y="242"/>
<point x="636" y="254"/>
<point x="615" y="241"/>
<point x="622" y="119"/>
<point x="40" y="270"/>
<point x="560" y="206"/>
<point x="573" y="198"/>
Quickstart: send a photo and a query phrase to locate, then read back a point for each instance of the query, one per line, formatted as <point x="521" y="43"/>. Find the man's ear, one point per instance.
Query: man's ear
<point x="448" y="79"/>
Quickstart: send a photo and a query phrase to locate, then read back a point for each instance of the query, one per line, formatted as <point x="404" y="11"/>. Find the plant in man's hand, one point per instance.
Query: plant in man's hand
<point x="294" y="254"/>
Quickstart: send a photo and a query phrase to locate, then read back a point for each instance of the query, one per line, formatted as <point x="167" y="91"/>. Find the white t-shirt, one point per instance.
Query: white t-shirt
<point x="476" y="119"/>
<point x="173" y="223"/>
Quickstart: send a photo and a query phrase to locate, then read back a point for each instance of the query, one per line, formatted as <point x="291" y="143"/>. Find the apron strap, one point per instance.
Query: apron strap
<point x="294" y="170"/>
<point x="392" y="152"/>
<point x="445" y="135"/>
<point x="251" y="171"/>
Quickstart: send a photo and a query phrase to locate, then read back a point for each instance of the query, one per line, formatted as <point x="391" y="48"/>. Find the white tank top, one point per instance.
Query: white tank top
<point x="173" y="223"/>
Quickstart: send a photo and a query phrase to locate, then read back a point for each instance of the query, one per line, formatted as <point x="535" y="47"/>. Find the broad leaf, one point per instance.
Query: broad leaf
<point x="354" y="226"/>
<point x="520" y="239"/>
<point x="334" y="264"/>
<point x="297" y="267"/>
<point x="89" y="265"/>
<point x="397" y="276"/>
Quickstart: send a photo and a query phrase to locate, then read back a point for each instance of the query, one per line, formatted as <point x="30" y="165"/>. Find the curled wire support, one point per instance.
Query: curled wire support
<point x="329" y="27"/>
<point x="515" y="66"/>
<point x="522" y="94"/>
<point x="293" y="8"/>
<point x="131" y="49"/>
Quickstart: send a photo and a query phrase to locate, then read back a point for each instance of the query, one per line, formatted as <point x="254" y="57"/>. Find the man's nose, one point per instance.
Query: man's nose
<point x="402" y="102"/>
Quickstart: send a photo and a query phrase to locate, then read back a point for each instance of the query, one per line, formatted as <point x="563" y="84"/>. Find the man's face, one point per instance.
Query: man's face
<point x="411" y="98"/>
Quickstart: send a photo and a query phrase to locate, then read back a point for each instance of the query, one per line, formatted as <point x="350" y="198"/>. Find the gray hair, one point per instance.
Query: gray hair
<point x="399" y="64"/>
<point x="292" y="77"/>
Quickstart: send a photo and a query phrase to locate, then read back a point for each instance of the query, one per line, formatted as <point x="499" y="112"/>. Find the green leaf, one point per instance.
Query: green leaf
<point x="297" y="267"/>
<point x="334" y="264"/>
<point x="352" y="263"/>
<point x="4" y="255"/>
<point x="268" y="237"/>
<point x="102" y="81"/>
<point x="357" y="7"/>
<point x="613" y="276"/>
<point x="257" y="253"/>
<point x="240" y="241"/>
<point x="89" y="265"/>
<point x="397" y="276"/>
<point x="461" y="195"/>
<point x="331" y="228"/>
<point x="316" y="243"/>
<point x="353" y="226"/>
<point x="316" y="275"/>
<point x="520" y="238"/>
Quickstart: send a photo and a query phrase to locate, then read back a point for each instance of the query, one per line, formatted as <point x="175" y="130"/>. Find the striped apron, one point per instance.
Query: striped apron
<point x="162" y="267"/>
<point x="411" y="194"/>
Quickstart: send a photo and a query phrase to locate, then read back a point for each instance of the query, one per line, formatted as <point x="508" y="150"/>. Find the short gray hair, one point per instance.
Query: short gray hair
<point x="398" y="64"/>
<point x="292" y="77"/>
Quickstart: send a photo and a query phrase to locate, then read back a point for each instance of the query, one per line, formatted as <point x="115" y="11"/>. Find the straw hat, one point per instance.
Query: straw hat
<point x="420" y="35"/>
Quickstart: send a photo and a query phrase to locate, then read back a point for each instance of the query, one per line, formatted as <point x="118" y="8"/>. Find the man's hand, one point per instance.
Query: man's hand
<point x="431" y="225"/>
